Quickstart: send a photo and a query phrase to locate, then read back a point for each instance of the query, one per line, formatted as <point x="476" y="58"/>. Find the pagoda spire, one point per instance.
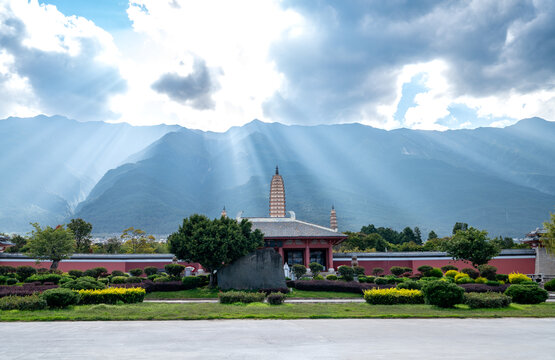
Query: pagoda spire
<point x="224" y="213"/>
<point x="277" y="196"/>
<point x="333" y="219"/>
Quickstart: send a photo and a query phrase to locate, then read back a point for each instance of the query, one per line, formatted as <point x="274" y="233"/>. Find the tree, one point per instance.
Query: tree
<point x="213" y="243"/>
<point x="459" y="226"/>
<point x="417" y="235"/>
<point x="548" y="239"/>
<point x="364" y="243"/>
<point x="135" y="241"/>
<point x="432" y="235"/>
<point x="435" y="244"/>
<point x="112" y="245"/>
<point x="19" y="244"/>
<point x="471" y="245"/>
<point x="51" y="244"/>
<point x="81" y="231"/>
<point x="407" y="235"/>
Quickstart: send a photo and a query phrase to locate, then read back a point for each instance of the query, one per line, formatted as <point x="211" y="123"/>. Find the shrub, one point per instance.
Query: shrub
<point x="3" y="279"/>
<point x="346" y="272"/>
<point x="359" y="270"/>
<point x="23" y="272"/>
<point x="331" y="277"/>
<point x="158" y="286"/>
<point x="6" y="269"/>
<point x="231" y="297"/>
<point x="480" y="280"/>
<point x="306" y="278"/>
<point x="377" y="271"/>
<point x="299" y="270"/>
<point x="161" y="279"/>
<point x="136" y="272"/>
<point x="52" y="278"/>
<point x="393" y="296"/>
<point x="442" y="293"/>
<point x="470" y="272"/>
<point x="118" y="279"/>
<point x="461" y="275"/>
<point x="483" y="288"/>
<point x="370" y="279"/>
<point x="83" y="284"/>
<point x="381" y="281"/>
<point x="424" y="269"/>
<point x="527" y="294"/>
<point x="502" y="277"/>
<point x="95" y="272"/>
<point x="451" y="273"/>
<point x="75" y="273"/>
<point x="32" y="302"/>
<point x="42" y="271"/>
<point x="550" y="285"/>
<point x="464" y="280"/>
<point x="152" y="277"/>
<point x="325" y="285"/>
<point x="492" y="283"/>
<point x="104" y="281"/>
<point x="517" y="278"/>
<point x="276" y="298"/>
<point x="362" y="279"/>
<point x="487" y="271"/>
<point x="447" y="268"/>
<point x="392" y="279"/>
<point x="112" y="295"/>
<point x="486" y="300"/>
<point x="410" y="285"/>
<point x="191" y="282"/>
<point x="434" y="272"/>
<point x="174" y="270"/>
<point x="118" y="273"/>
<point x="11" y="281"/>
<point x="150" y="270"/>
<point x="397" y="270"/>
<point x="205" y="279"/>
<point x="315" y="268"/>
<point x="60" y="297"/>
<point x="134" y="280"/>
<point x="318" y="277"/>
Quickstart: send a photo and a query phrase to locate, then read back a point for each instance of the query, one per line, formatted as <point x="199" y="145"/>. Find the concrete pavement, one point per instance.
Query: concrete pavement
<point x="429" y="339"/>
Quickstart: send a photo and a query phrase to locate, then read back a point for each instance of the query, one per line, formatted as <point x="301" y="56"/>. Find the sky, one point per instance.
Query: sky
<point x="210" y="65"/>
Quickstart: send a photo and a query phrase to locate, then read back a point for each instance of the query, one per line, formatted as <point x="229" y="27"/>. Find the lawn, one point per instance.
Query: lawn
<point x="207" y="293"/>
<point x="161" y="311"/>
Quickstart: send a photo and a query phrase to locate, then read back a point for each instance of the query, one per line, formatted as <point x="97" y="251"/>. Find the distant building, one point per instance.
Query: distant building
<point x="298" y="242"/>
<point x="533" y="238"/>
<point x="4" y="243"/>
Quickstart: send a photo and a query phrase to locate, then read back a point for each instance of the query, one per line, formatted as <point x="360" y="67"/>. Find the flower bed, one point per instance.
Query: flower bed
<point x="393" y="296"/>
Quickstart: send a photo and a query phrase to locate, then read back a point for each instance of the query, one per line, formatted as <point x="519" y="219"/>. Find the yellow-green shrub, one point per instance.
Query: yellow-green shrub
<point x="112" y="296"/>
<point x="393" y="296"/>
<point x="517" y="278"/>
<point x="451" y="273"/>
<point x="481" y="280"/>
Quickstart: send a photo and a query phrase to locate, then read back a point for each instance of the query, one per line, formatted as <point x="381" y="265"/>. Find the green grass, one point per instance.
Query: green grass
<point x="161" y="311"/>
<point x="207" y="293"/>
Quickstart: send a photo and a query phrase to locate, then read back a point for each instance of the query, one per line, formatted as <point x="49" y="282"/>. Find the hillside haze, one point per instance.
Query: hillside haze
<point x="502" y="180"/>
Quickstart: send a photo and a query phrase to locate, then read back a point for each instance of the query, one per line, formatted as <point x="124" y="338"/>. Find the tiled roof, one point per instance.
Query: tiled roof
<point x="288" y="227"/>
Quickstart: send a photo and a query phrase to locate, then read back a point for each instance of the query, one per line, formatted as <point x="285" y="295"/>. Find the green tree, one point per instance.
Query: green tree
<point x="20" y="244"/>
<point x="82" y="232"/>
<point x="432" y="235"/>
<point x="213" y="243"/>
<point x="407" y="235"/>
<point x="363" y="242"/>
<point x="471" y="245"/>
<point x="136" y="241"/>
<point x="548" y="239"/>
<point x="435" y="244"/>
<point x="52" y="244"/>
<point x="459" y="226"/>
<point x="417" y="235"/>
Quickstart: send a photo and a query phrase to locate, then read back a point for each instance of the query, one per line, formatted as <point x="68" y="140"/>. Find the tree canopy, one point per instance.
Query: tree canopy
<point x="52" y="244"/>
<point x="213" y="243"/>
<point x="471" y="245"/>
<point x="82" y="231"/>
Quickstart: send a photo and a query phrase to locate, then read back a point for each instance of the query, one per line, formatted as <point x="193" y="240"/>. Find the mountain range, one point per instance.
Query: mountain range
<point x="117" y="175"/>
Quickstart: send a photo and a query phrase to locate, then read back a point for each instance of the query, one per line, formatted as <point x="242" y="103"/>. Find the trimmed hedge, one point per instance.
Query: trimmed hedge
<point x="174" y="270"/>
<point x="381" y="281"/>
<point x="192" y="282"/>
<point x="331" y="277"/>
<point x="60" y="297"/>
<point x="75" y="273"/>
<point x="133" y="279"/>
<point x="393" y="296"/>
<point x="6" y="269"/>
<point x="527" y="293"/>
<point x="112" y="296"/>
<point x="410" y="285"/>
<point x="118" y="273"/>
<point x="347" y="273"/>
<point x="83" y="284"/>
<point x="150" y="270"/>
<point x="486" y="300"/>
<point x="447" y="268"/>
<point x="550" y="285"/>
<point x="51" y="278"/>
<point x="25" y="290"/>
<point x="95" y="272"/>
<point x="488" y="271"/>
<point x="231" y="297"/>
<point x="479" y="288"/>
<point x="471" y="272"/>
<point x="136" y="272"/>
<point x="31" y="302"/>
<point x="442" y="294"/>
<point x="118" y="279"/>
<point x="502" y="277"/>
<point x="23" y="272"/>
<point x="517" y="278"/>
<point x="276" y="298"/>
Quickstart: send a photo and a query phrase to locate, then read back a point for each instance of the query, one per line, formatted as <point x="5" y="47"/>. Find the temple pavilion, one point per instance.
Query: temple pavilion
<point x="298" y="242"/>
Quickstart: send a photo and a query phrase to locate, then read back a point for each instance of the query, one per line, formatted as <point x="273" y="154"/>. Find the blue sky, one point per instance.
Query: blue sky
<point x="211" y="65"/>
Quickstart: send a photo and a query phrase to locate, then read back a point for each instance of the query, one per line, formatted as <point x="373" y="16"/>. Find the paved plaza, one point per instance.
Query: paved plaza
<point x="508" y="338"/>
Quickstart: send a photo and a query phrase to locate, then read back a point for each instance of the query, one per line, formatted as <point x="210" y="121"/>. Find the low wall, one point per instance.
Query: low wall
<point x="514" y="260"/>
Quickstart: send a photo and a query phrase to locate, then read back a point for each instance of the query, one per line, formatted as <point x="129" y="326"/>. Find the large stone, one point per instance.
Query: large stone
<point x="261" y="269"/>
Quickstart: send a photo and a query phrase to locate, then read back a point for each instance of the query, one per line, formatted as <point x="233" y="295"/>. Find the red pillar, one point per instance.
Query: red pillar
<point x="306" y="254"/>
<point x="280" y="251"/>
<point x="330" y="258"/>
